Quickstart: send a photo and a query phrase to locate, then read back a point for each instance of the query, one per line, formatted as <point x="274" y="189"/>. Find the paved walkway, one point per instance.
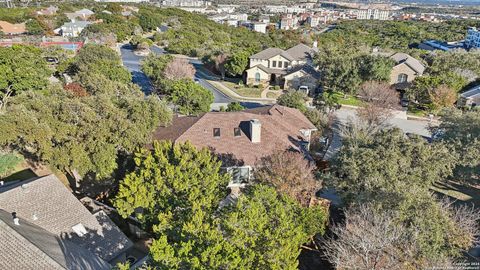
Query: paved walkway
<point x="229" y="92"/>
<point x="267" y="90"/>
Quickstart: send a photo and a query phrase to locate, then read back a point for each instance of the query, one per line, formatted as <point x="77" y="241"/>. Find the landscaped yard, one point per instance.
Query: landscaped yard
<point x="14" y="167"/>
<point x="274" y="94"/>
<point x="243" y="90"/>
<point x="348" y="100"/>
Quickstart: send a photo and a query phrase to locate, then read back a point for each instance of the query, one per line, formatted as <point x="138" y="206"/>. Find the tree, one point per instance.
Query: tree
<point x="462" y="131"/>
<point x="237" y="63"/>
<point x="234" y="107"/>
<point x="372" y="239"/>
<point x="22" y="69"/>
<point x="174" y="191"/>
<point x="154" y="66"/>
<point x="99" y="59"/>
<point x="267" y="229"/>
<point x="34" y="27"/>
<point x="376" y="68"/>
<point x="80" y="134"/>
<point x="387" y="163"/>
<point x="291" y="174"/>
<point x="8" y="162"/>
<point x="179" y="68"/>
<point x="443" y="97"/>
<point x="220" y="60"/>
<point x="190" y="97"/>
<point x="293" y="99"/>
<point x="380" y="100"/>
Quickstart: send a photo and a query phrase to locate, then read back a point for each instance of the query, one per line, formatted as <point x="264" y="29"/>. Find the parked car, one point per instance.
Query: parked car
<point x="304" y="89"/>
<point x="404" y="102"/>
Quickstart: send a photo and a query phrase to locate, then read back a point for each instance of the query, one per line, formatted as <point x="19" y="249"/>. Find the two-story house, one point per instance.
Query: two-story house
<point x="286" y="68"/>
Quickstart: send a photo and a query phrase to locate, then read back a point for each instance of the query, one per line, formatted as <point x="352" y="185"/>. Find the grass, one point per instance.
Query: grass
<point x="416" y="111"/>
<point x="275" y="94"/>
<point x="349" y="100"/>
<point x="243" y="90"/>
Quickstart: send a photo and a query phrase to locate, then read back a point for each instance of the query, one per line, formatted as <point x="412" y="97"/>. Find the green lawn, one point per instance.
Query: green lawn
<point x="349" y="100"/>
<point x="275" y="94"/>
<point x="243" y="90"/>
<point x="416" y="111"/>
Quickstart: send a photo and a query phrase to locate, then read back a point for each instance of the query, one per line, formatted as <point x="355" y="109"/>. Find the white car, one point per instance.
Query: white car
<point x="304" y="89"/>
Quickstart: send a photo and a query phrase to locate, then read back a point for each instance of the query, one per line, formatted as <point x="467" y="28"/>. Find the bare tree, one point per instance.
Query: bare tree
<point x="380" y="101"/>
<point x="379" y="94"/>
<point x="179" y="68"/>
<point x="466" y="220"/>
<point x="220" y="60"/>
<point x="291" y="174"/>
<point x="368" y="240"/>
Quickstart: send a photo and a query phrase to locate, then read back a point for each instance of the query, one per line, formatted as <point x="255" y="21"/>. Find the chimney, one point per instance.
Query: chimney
<point x="255" y="130"/>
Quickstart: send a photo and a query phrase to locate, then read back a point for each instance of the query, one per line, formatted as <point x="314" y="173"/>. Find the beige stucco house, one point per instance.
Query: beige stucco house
<point x="405" y="71"/>
<point x="286" y="68"/>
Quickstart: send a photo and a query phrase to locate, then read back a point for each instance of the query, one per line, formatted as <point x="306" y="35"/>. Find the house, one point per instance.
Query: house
<point x="83" y="14"/>
<point x="53" y="222"/>
<point x="12" y="29"/>
<point x="73" y="29"/>
<point x="432" y="45"/>
<point x="27" y="246"/>
<point x="241" y="139"/>
<point x="273" y="65"/>
<point x="472" y="39"/>
<point x="470" y="98"/>
<point x="406" y="69"/>
<point x="51" y="10"/>
<point x="259" y="27"/>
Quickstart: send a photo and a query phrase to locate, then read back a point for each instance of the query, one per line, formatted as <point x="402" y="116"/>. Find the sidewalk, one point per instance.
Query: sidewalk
<point x="229" y="92"/>
<point x="408" y="116"/>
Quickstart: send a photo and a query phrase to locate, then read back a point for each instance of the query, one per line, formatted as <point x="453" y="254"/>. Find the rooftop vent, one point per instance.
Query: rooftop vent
<point x="16" y="220"/>
<point x="79" y="229"/>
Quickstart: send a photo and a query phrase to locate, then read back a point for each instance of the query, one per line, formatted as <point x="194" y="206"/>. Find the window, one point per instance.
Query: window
<point x="240" y="175"/>
<point x="280" y="64"/>
<point x="216" y="132"/>
<point x="257" y="77"/>
<point x="285" y="64"/>
<point x="237" y="132"/>
<point x="274" y="63"/>
<point x="402" y="77"/>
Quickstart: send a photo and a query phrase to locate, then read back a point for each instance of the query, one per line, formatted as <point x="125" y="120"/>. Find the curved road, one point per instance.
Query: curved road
<point x="133" y="63"/>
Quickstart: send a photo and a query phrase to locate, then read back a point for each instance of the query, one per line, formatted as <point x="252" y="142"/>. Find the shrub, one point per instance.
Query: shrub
<point x="276" y="87"/>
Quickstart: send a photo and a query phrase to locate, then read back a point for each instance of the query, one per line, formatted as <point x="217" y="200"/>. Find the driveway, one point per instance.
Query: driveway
<point x="343" y="115"/>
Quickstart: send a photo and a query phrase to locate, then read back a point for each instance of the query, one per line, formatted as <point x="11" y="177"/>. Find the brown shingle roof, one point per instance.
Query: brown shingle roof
<point x="280" y="131"/>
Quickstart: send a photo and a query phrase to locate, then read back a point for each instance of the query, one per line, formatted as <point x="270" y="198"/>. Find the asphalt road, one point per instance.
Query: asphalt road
<point x="133" y="63"/>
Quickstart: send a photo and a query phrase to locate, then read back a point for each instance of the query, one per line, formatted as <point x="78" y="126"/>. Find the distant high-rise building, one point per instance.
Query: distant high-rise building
<point x="373" y="14"/>
<point x="472" y="40"/>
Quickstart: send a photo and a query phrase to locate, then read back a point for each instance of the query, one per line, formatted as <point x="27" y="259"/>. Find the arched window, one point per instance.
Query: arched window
<point x="402" y="77"/>
<point x="257" y="77"/>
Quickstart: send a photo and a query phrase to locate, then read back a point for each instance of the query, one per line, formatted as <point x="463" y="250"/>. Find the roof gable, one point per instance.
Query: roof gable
<point x="47" y="203"/>
<point x="414" y="64"/>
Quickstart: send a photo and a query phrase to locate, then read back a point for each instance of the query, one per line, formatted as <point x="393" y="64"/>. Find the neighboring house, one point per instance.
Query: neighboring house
<point x="472" y="39"/>
<point x="51" y="10"/>
<point x="46" y="205"/>
<point x="25" y="245"/>
<point x="406" y="69"/>
<point x="12" y="29"/>
<point x="83" y="14"/>
<point x="259" y="27"/>
<point x="73" y="29"/>
<point x="241" y="139"/>
<point x="470" y="98"/>
<point x="276" y="66"/>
